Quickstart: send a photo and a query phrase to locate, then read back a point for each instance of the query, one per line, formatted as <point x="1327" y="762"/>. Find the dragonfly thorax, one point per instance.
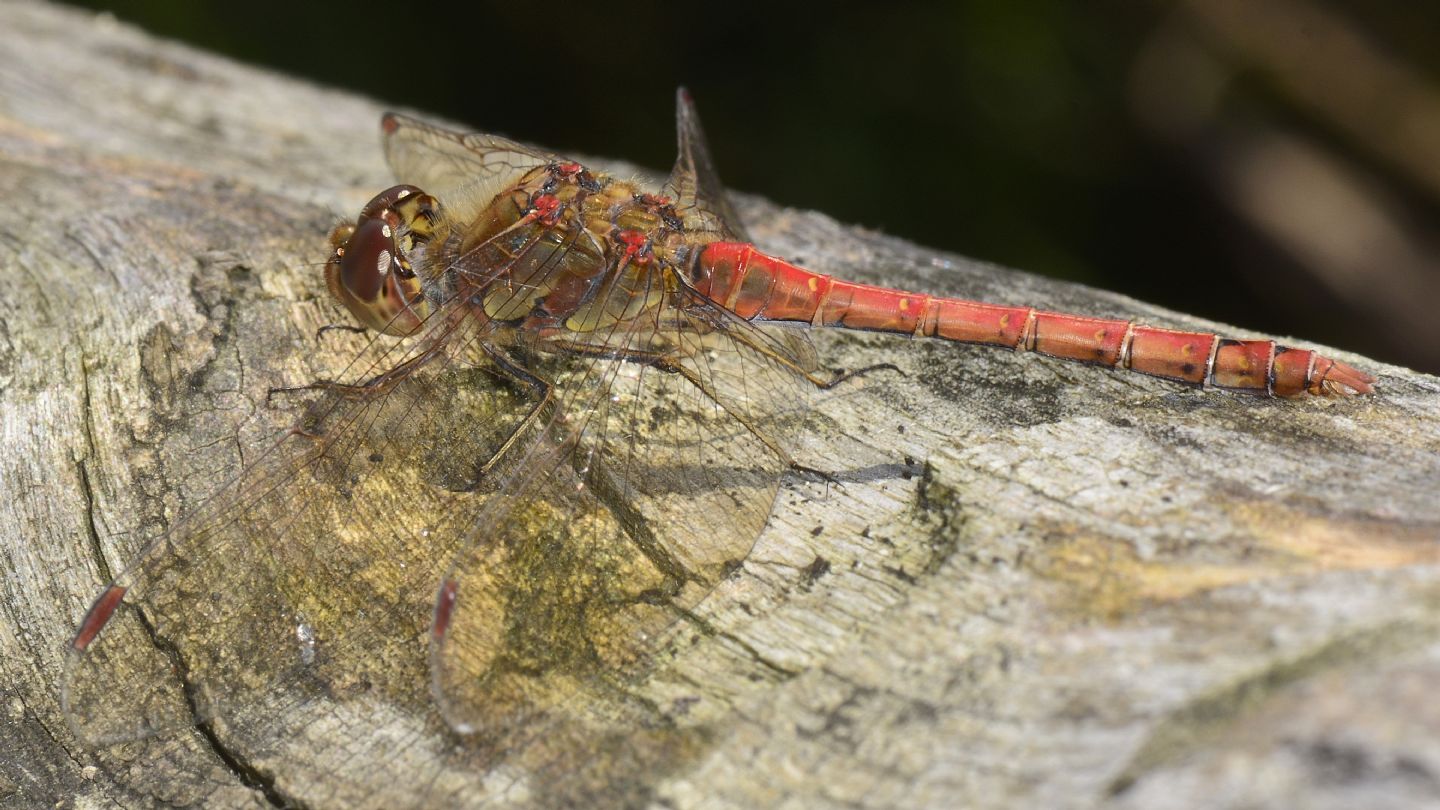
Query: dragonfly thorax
<point x="564" y="250"/>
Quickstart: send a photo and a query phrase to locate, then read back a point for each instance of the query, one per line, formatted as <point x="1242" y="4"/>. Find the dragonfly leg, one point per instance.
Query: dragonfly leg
<point x="842" y="376"/>
<point x="339" y="327"/>
<point x="375" y="386"/>
<point x="542" y="391"/>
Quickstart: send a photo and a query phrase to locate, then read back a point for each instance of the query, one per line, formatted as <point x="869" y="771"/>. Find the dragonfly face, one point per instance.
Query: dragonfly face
<point x="371" y="271"/>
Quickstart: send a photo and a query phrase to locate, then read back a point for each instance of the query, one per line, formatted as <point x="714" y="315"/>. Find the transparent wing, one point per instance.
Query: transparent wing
<point x="646" y="489"/>
<point x="302" y="590"/>
<point x="694" y="184"/>
<point x="465" y="171"/>
<point x="573" y="495"/>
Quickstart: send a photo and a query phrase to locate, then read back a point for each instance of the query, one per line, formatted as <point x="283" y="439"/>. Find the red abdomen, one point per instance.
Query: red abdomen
<point x="760" y="287"/>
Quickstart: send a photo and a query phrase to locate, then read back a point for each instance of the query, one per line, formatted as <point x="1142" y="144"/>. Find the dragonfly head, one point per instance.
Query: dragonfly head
<point x="371" y="270"/>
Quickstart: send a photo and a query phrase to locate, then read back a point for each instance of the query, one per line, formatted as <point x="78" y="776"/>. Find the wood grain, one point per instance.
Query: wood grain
<point x="1037" y="584"/>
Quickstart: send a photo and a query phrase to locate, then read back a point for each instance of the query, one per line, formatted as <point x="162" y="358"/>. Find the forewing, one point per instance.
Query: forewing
<point x="694" y="184"/>
<point x="465" y="171"/>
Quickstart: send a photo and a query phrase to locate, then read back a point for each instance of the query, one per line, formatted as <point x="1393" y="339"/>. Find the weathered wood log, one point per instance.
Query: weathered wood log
<point x="1038" y="584"/>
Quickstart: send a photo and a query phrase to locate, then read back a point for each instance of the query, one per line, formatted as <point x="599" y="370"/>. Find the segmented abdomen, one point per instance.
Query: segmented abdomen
<point x="760" y="287"/>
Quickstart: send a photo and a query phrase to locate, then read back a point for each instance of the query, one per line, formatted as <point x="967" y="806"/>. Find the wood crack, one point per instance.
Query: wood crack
<point x="246" y="773"/>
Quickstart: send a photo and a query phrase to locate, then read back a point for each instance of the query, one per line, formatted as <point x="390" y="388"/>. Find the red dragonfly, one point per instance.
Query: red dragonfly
<point x="580" y="435"/>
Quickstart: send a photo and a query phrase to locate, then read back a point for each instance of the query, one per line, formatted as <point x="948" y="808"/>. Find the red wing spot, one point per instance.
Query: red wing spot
<point x="389" y="123"/>
<point x="444" y="607"/>
<point x="97" y="616"/>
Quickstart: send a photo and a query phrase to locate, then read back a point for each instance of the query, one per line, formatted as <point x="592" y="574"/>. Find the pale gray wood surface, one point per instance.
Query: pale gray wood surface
<point x="1039" y="585"/>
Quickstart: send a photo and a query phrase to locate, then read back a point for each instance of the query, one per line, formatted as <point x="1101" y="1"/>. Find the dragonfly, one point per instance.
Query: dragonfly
<point x="572" y="425"/>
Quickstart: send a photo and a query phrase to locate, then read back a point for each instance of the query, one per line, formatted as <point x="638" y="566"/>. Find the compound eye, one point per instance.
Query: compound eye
<point x="368" y="256"/>
<point x="393" y="197"/>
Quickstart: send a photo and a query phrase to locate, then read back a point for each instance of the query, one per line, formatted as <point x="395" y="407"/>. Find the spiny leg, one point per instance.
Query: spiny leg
<point x="843" y="376"/>
<point x="375" y="386"/>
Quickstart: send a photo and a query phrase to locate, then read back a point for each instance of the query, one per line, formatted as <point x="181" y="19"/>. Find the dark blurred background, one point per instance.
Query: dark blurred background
<point x="1271" y="164"/>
